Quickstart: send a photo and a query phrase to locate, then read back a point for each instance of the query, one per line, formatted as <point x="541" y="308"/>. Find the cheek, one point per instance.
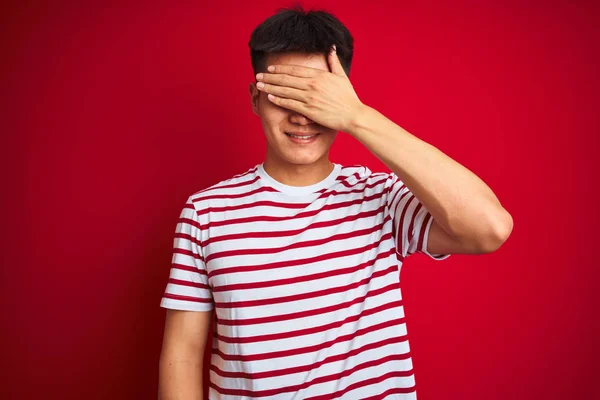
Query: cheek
<point x="273" y="117"/>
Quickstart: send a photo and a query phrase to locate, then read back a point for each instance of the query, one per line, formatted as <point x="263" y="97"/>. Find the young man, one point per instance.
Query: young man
<point x="300" y="257"/>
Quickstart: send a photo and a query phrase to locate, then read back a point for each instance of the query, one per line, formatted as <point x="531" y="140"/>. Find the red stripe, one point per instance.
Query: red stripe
<point x="308" y="313"/>
<point x="205" y="210"/>
<point x="413" y="220"/>
<point x="322" y="379"/>
<point x="227" y="186"/>
<point x="400" y="221"/>
<point x="188" y="268"/>
<point x="390" y="206"/>
<point x="366" y="382"/>
<point x="310" y="367"/>
<point x="348" y="372"/>
<point x="307" y="295"/>
<point x="186" y="298"/>
<point x="383" y="395"/>
<point x="422" y="233"/>
<point x="186" y="252"/>
<point x="320" y="224"/>
<point x="344" y="177"/>
<point x="301" y="261"/>
<point x="246" y="173"/>
<point x="236" y="195"/>
<point x="188" y="221"/>
<point x="188" y="283"/>
<point x="396" y="192"/>
<point x="302" y="278"/>
<point x="218" y="185"/>
<point x="399" y="257"/>
<point x="308" y="349"/>
<point x="308" y="331"/>
<point x="188" y="237"/>
<point x="360" y="181"/>
<point x="296" y="245"/>
<point x="262" y="217"/>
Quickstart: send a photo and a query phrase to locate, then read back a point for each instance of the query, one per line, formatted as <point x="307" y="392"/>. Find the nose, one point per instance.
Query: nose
<point x="300" y="119"/>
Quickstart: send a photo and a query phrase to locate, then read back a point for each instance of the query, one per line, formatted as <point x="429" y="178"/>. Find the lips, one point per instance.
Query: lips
<point x="302" y="133"/>
<point x="305" y="141"/>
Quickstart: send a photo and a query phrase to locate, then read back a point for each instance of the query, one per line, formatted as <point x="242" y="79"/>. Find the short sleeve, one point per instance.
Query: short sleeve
<point x="412" y="221"/>
<point x="187" y="287"/>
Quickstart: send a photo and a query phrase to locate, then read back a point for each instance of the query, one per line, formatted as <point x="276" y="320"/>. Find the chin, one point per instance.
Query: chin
<point x="299" y="156"/>
<point x="302" y="160"/>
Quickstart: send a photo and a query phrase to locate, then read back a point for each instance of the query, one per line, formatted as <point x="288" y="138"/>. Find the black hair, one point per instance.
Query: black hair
<point x="296" y="30"/>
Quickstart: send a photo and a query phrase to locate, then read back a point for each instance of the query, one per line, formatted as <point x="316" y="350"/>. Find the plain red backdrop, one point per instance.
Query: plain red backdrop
<point x="114" y="113"/>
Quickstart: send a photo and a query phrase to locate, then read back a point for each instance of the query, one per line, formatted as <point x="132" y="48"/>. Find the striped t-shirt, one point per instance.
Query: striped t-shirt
<point x="305" y="282"/>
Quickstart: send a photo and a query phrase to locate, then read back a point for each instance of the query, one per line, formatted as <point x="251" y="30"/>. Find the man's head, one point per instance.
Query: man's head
<point x="293" y="36"/>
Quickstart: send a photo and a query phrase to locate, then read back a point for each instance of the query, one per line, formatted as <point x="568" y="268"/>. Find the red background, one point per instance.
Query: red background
<point x="114" y="113"/>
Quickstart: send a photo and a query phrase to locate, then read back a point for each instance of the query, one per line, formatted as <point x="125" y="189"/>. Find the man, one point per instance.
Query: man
<point x="300" y="257"/>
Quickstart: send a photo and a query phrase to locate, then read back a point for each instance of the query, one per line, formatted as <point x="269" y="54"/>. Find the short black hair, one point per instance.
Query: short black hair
<point x="296" y="30"/>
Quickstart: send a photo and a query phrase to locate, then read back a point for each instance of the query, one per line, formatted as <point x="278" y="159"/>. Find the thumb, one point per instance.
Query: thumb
<point x="334" y="62"/>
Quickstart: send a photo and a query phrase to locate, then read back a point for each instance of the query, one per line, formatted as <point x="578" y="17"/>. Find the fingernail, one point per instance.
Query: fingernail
<point x="334" y="49"/>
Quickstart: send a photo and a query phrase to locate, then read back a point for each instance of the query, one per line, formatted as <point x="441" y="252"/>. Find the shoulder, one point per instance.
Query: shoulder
<point x="361" y="175"/>
<point x="224" y="188"/>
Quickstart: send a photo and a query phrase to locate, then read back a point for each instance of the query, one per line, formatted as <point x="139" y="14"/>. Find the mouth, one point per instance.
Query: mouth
<point x="301" y="137"/>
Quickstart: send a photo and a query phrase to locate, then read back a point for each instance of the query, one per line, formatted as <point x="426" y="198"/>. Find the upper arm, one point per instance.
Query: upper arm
<point x="188" y="295"/>
<point x="190" y="308"/>
<point x="439" y="242"/>
<point x="186" y="333"/>
<point x="181" y="365"/>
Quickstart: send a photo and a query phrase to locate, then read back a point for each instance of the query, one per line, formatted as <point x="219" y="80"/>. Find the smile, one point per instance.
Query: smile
<point x="301" y="136"/>
<point x="302" y="139"/>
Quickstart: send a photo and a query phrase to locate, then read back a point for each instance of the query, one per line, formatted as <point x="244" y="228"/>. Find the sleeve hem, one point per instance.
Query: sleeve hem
<point x="436" y="257"/>
<point x="185" y="305"/>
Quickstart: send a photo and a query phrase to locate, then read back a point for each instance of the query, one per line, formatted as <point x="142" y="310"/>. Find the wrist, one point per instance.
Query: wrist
<point x="359" y="122"/>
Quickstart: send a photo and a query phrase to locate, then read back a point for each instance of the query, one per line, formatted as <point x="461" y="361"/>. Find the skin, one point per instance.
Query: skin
<point x="288" y="162"/>
<point x="180" y="368"/>
<point x="468" y="217"/>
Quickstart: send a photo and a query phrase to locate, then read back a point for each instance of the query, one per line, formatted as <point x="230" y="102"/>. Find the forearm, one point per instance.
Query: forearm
<point x="462" y="204"/>
<point x="180" y="378"/>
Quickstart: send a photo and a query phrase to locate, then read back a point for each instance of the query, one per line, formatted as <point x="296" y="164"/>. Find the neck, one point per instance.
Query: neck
<point x="298" y="174"/>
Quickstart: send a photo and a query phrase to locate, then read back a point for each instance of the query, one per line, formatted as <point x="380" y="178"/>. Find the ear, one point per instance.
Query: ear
<point x="254" y="98"/>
